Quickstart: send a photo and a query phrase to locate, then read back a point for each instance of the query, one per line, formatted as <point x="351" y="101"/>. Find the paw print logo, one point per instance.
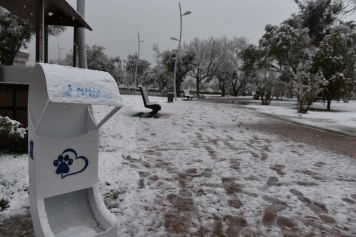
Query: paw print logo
<point x="62" y="164"/>
<point x="64" y="161"/>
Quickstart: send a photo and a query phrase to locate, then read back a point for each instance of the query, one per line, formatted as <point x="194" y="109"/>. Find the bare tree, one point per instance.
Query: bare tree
<point x="206" y="53"/>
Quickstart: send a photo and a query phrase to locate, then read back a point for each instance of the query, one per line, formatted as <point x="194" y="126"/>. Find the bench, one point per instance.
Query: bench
<point x="187" y="94"/>
<point x="151" y="105"/>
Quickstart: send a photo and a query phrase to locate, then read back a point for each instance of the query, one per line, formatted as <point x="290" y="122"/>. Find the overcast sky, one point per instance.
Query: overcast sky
<point x="116" y="23"/>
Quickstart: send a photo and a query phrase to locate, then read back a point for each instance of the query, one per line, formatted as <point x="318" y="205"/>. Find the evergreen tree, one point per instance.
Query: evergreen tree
<point x="286" y="48"/>
<point x="336" y="62"/>
<point x="98" y="60"/>
<point x="16" y="33"/>
<point x="131" y="63"/>
<point x="184" y="65"/>
<point x="319" y="16"/>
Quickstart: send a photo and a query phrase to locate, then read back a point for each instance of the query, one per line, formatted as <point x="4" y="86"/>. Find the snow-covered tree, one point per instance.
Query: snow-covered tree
<point x="266" y="85"/>
<point x="307" y="86"/>
<point x="319" y="17"/>
<point x="206" y="53"/>
<point x="337" y="62"/>
<point x="224" y="65"/>
<point x="286" y="47"/>
<point x="250" y="57"/>
<point x="349" y="6"/>
<point x="228" y="65"/>
<point x="98" y="60"/>
<point x="16" y="33"/>
<point x="184" y="65"/>
<point x="12" y="128"/>
<point x="131" y="63"/>
<point x="157" y="76"/>
<point x="163" y="73"/>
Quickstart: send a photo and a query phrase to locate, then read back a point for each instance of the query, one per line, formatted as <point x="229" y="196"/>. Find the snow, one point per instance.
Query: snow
<point x="70" y="85"/>
<point x="12" y="128"/>
<point x="79" y="231"/>
<point x="341" y="118"/>
<point x="158" y="173"/>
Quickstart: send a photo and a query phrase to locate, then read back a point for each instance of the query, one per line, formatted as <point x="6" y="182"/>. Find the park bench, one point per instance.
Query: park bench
<point x="187" y="94"/>
<point x="151" y="105"/>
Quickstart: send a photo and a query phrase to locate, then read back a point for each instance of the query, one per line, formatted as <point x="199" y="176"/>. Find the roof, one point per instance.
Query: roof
<point x="56" y="12"/>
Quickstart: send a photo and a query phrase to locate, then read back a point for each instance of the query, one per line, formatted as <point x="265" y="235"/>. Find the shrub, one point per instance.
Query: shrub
<point x="12" y="128"/>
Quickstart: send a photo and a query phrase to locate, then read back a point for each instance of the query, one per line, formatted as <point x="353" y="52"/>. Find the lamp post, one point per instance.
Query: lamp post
<point x="138" y="58"/>
<point x="59" y="54"/>
<point x="180" y="39"/>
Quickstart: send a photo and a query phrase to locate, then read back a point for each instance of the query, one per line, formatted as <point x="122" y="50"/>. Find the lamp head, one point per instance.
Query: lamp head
<point x="187" y="13"/>
<point x="172" y="38"/>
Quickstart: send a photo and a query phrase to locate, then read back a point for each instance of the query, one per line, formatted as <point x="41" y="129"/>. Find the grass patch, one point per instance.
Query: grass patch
<point x="15" y="154"/>
<point x="322" y="110"/>
<point x="138" y="114"/>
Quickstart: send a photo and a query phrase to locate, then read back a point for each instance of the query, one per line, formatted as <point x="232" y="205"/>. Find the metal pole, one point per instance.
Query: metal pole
<point x="59" y="54"/>
<point x="125" y="73"/>
<point x="82" y="57"/>
<point x="45" y="44"/>
<point x="42" y="32"/>
<point x="75" y="41"/>
<point x="138" y="58"/>
<point x="39" y="31"/>
<point x="177" y="56"/>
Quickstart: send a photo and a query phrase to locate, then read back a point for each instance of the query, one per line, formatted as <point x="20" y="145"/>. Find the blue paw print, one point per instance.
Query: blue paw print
<point x="64" y="161"/>
<point x="62" y="164"/>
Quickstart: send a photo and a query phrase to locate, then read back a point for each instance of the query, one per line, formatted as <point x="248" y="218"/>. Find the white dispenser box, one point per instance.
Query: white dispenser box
<point x="63" y="150"/>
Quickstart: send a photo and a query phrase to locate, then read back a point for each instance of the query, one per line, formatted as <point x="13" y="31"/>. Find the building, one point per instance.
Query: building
<point x="21" y="58"/>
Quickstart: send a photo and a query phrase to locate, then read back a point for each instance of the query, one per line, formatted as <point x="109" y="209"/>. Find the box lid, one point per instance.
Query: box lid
<point x="75" y="85"/>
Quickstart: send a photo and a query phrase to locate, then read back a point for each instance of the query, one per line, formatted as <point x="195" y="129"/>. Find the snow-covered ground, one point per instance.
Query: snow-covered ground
<point x="341" y="118"/>
<point x="198" y="170"/>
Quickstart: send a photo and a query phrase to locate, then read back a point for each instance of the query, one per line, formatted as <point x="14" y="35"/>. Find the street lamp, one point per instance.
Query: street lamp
<point x="59" y="54"/>
<point x="138" y="58"/>
<point x="180" y="39"/>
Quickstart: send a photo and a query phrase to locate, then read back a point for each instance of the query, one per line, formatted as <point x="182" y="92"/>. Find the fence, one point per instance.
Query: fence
<point x="13" y="102"/>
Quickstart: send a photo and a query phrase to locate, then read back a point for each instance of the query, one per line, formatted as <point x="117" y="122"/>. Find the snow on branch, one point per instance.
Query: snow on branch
<point x="12" y="128"/>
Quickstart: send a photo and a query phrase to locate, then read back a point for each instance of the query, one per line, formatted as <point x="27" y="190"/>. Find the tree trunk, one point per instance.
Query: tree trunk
<point x="234" y="92"/>
<point x="198" y="92"/>
<point x="290" y="92"/>
<point x="10" y="61"/>
<point x="328" y="104"/>
<point x="234" y="89"/>
<point x="223" y="92"/>
<point x="178" y="88"/>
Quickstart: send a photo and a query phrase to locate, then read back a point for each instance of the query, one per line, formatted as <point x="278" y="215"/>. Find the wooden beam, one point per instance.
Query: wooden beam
<point x="46" y="44"/>
<point x="75" y="47"/>
<point x="38" y="29"/>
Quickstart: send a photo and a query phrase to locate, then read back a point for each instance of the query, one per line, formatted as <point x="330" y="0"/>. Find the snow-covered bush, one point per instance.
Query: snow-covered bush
<point x="12" y="128"/>
<point x="307" y="87"/>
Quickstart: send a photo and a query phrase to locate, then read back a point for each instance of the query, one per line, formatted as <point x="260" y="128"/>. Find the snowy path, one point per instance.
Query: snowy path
<point x="203" y="173"/>
<point x="197" y="170"/>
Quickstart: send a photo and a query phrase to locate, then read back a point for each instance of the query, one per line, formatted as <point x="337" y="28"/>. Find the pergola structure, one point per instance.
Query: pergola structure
<point x="43" y="13"/>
